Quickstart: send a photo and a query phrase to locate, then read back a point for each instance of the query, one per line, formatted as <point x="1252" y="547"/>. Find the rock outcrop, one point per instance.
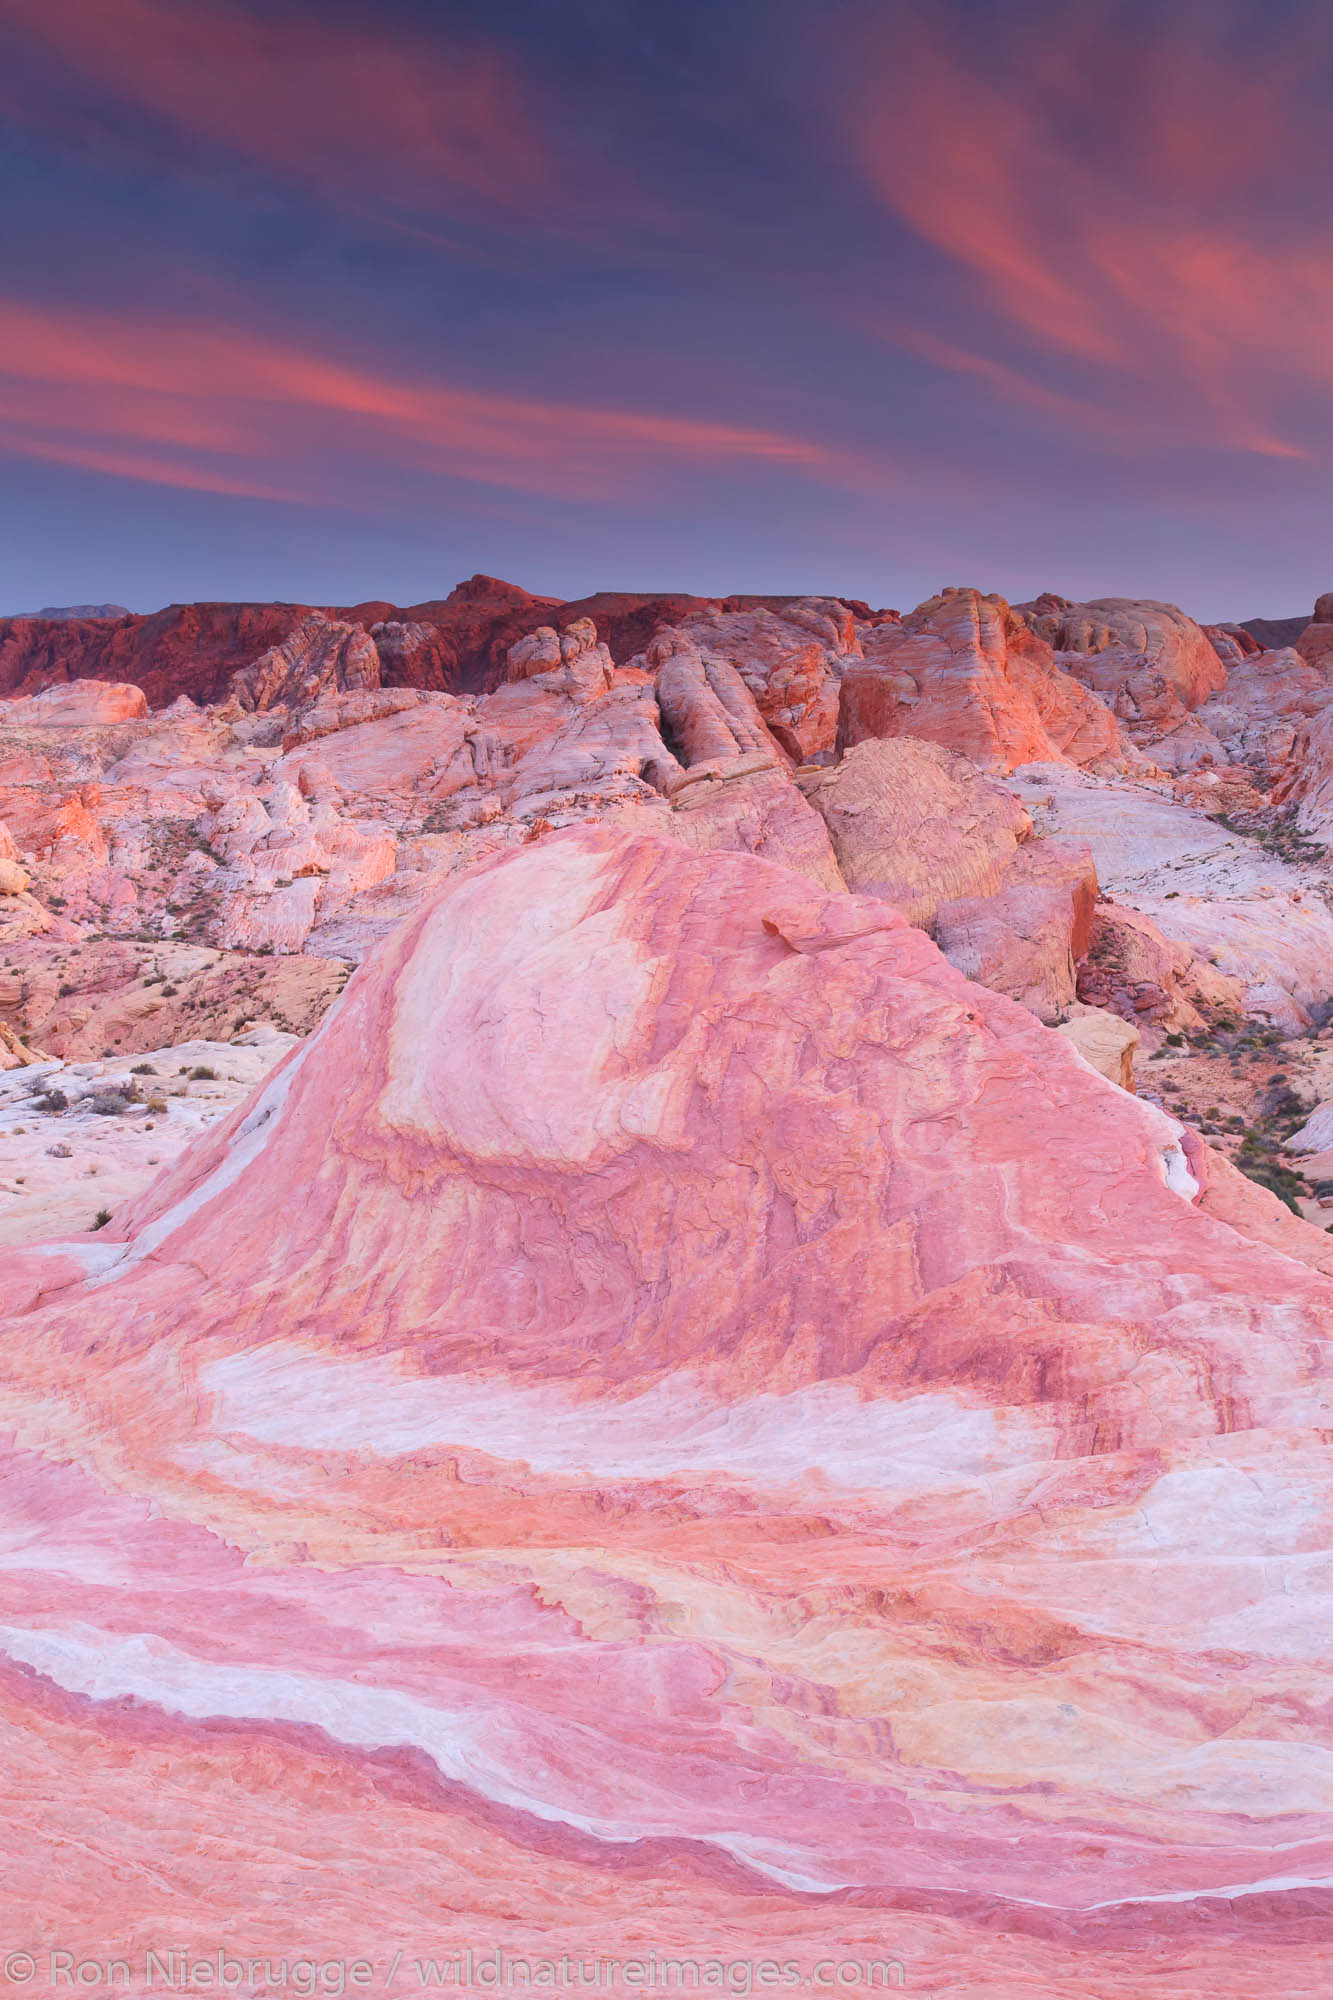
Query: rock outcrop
<point x="320" y="656"/>
<point x="1026" y="940"/>
<point x="1258" y="917"/>
<point x="731" y="788"/>
<point x="916" y="825"/>
<point x="921" y="828"/>
<point x="965" y="671"/>
<point x="1133" y="970"/>
<point x="792" y="660"/>
<point x="1149" y="662"/>
<point x="1104" y="1040"/>
<point x="15" y="1054"/>
<point x="1315" y="642"/>
<point x="1305" y="782"/>
<point x="191" y="649"/>
<point x="675" y="1416"/>
<point x="1267" y="702"/>
<point x="77" y="705"/>
<point x="14" y="877"/>
<point x="1316" y="1134"/>
<point x="1116" y="642"/>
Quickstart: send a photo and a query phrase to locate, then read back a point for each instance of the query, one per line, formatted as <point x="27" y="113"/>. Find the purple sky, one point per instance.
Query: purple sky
<point x="352" y="298"/>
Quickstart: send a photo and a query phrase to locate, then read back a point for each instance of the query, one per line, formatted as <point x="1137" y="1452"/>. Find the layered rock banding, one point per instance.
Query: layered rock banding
<point x="682" y="1418"/>
<point x="690" y="1301"/>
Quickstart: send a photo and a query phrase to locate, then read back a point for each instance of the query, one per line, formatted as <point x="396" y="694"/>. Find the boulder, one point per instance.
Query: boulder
<point x="75" y="705"/>
<point x="1104" y="1040"/>
<point x="916" y="824"/>
<point x="15" y="1053"/>
<point x="1025" y="940"/>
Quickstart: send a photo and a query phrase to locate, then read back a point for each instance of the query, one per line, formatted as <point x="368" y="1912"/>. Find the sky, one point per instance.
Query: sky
<point x="327" y="300"/>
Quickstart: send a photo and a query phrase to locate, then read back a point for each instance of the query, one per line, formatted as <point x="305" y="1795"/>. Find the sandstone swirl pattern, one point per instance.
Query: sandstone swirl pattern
<point x="674" y="1418"/>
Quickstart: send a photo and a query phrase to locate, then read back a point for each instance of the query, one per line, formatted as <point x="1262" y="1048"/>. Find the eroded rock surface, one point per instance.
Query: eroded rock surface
<point x="965" y="671"/>
<point x="678" y="1408"/>
<point x="669" y="1382"/>
<point x="916" y="825"/>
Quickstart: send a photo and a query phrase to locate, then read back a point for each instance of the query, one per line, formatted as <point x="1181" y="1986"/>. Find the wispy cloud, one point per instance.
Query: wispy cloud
<point x="358" y="115"/>
<point x="1116" y="205"/>
<point x="220" y="409"/>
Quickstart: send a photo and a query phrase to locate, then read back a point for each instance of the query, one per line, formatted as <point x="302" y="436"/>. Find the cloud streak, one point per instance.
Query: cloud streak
<point x="1114" y="227"/>
<point x="220" y="409"/>
<point x="349" y="114"/>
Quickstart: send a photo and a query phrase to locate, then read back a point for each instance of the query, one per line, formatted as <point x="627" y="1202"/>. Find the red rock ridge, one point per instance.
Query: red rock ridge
<point x="459" y="646"/>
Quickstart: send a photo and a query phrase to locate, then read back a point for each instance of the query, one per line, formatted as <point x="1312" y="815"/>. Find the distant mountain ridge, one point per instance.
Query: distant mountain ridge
<point x="1274" y="632"/>
<point x="77" y="611"/>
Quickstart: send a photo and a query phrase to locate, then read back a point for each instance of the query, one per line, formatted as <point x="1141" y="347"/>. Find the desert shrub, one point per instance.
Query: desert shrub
<point x="109" y="1103"/>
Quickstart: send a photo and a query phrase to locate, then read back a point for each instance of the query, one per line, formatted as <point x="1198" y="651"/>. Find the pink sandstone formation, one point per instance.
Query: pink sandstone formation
<point x="1315" y="643"/>
<point x="1104" y="1040"/>
<point x="1136" y="972"/>
<point x="675" y="1423"/>
<point x="1305" y="782"/>
<point x="1252" y="909"/>
<point x="921" y="828"/>
<point x="320" y="655"/>
<point x="966" y="671"/>
<point x="683" y="1416"/>
<point x="1149" y="662"/>
<point x="916" y="824"/>
<point x="1116" y="638"/>
<point x="454" y="644"/>
<point x="1028" y="938"/>
<point x="792" y="660"/>
<point x="78" y="705"/>
<point x="1268" y="701"/>
<point x="308" y="812"/>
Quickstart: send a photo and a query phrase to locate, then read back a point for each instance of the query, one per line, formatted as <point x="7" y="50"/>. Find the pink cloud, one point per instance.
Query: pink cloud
<point x="1110" y="204"/>
<point x="227" y="411"/>
<point x="355" y="115"/>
